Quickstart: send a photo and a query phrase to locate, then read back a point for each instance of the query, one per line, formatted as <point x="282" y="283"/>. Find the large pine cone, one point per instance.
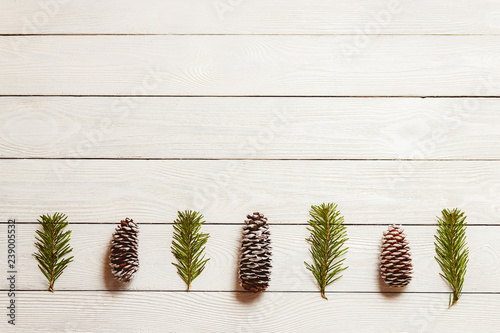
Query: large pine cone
<point x="124" y="251"/>
<point x="395" y="258"/>
<point x="255" y="262"/>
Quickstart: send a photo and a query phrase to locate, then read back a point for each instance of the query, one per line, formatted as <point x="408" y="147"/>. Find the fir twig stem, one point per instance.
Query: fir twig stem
<point x="452" y="253"/>
<point x="328" y="236"/>
<point x="52" y="243"/>
<point x="325" y="263"/>
<point x="188" y="246"/>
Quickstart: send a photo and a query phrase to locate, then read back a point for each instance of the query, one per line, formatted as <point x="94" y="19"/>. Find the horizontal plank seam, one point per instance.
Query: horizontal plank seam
<point x="253" y="96"/>
<point x="254" y="159"/>
<point x="244" y="34"/>
<point x="244" y="291"/>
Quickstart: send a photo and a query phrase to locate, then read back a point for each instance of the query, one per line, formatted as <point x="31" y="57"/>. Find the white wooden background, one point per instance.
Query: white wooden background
<point x="121" y="108"/>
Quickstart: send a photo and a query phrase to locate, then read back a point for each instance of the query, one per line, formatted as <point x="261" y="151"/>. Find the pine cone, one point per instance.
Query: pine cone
<point x="255" y="262"/>
<point x="395" y="258"/>
<point x="124" y="256"/>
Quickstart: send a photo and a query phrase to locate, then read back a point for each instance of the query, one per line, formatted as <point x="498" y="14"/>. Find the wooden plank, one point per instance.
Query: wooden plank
<point x="225" y="191"/>
<point x="90" y="270"/>
<point x="251" y="17"/>
<point x="271" y="312"/>
<point x="250" y="65"/>
<point x="324" y="128"/>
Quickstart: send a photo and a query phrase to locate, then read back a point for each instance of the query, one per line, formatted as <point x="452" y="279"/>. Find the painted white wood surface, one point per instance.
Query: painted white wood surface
<point x="251" y="17"/>
<point x="270" y="128"/>
<point x="290" y="250"/>
<point x="368" y="192"/>
<point x="272" y="312"/>
<point x="417" y="65"/>
<point x="227" y="154"/>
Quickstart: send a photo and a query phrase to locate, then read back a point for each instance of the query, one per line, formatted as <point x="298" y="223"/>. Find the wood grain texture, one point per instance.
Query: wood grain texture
<point x="250" y="106"/>
<point x="367" y="192"/>
<point x="271" y="312"/>
<point x="250" y="65"/>
<point x="251" y="17"/>
<point x="290" y="250"/>
<point x="271" y="128"/>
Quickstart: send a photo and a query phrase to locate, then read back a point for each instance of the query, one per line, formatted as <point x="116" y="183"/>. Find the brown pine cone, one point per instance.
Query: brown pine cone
<point x="124" y="251"/>
<point x="395" y="258"/>
<point x="255" y="262"/>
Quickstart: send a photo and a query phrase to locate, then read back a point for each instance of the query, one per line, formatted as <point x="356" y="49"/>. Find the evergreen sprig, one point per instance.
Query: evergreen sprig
<point x="328" y="235"/>
<point x="452" y="252"/>
<point x="52" y="243"/>
<point x="188" y="245"/>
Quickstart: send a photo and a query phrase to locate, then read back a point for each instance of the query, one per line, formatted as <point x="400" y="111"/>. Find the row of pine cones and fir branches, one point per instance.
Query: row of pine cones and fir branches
<point x="327" y="239"/>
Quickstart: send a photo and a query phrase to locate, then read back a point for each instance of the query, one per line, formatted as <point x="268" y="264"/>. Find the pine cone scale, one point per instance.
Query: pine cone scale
<point x="124" y="255"/>
<point x="255" y="260"/>
<point x="395" y="258"/>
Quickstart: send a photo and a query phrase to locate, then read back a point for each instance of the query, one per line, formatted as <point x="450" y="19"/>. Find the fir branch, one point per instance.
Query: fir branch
<point x="328" y="235"/>
<point x="52" y="243"/>
<point x="452" y="252"/>
<point x="188" y="245"/>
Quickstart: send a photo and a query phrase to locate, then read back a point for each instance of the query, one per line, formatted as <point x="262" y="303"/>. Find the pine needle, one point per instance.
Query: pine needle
<point x="52" y="243"/>
<point x="328" y="235"/>
<point x="188" y="245"/>
<point x="452" y="252"/>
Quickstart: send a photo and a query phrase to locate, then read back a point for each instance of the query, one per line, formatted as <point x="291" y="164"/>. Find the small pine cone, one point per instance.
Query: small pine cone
<point x="255" y="261"/>
<point x="395" y="258"/>
<point x="124" y="256"/>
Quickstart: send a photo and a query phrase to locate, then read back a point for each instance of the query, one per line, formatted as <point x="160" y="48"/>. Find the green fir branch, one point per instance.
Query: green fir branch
<point x="188" y="245"/>
<point x="452" y="252"/>
<point x="328" y="235"/>
<point x="52" y="243"/>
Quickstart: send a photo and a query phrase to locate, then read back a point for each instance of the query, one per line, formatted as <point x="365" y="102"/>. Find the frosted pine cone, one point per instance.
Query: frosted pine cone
<point x="124" y="251"/>
<point x="395" y="258"/>
<point x="255" y="262"/>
